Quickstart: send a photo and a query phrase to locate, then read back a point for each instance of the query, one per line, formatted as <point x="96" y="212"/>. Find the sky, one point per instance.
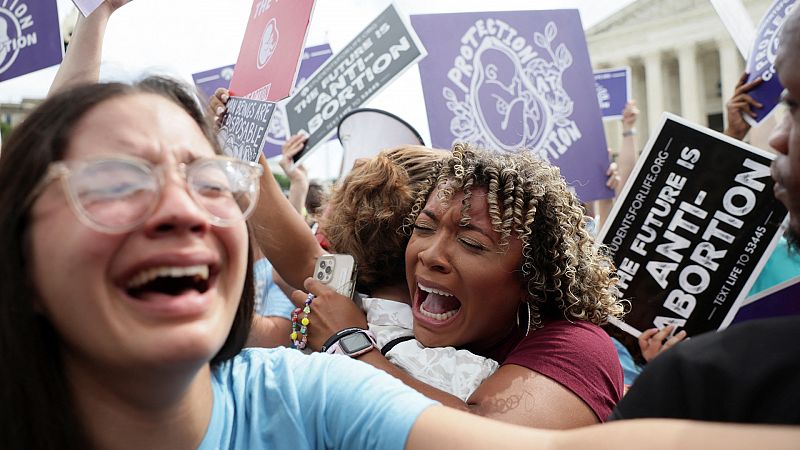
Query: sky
<point x="181" y="37"/>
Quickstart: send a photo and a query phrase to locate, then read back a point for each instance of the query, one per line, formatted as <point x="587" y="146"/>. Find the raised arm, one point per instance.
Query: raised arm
<point x="298" y="178"/>
<point x="619" y="172"/>
<point x="282" y="234"/>
<point x="82" y="61"/>
<point x="627" y="151"/>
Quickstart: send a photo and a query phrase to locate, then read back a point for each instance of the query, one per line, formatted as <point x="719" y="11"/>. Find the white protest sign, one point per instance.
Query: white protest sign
<point x="737" y="21"/>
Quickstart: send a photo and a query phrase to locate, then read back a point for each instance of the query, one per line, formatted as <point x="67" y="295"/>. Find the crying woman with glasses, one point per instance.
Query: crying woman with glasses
<point x="126" y="298"/>
<point x="126" y="293"/>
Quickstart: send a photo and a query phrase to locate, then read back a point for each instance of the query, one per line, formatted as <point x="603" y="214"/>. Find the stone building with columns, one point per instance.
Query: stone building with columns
<point x="681" y="56"/>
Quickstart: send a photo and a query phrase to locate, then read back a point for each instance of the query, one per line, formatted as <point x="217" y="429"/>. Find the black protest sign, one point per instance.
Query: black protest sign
<point x="381" y="52"/>
<point x="244" y="127"/>
<point x="695" y="223"/>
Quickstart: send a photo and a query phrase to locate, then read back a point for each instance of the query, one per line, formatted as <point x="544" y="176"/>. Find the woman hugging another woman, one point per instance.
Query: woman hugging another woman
<point x="499" y="263"/>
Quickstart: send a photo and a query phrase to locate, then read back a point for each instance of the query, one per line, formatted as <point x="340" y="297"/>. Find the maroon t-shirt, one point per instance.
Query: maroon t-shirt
<point x="578" y="355"/>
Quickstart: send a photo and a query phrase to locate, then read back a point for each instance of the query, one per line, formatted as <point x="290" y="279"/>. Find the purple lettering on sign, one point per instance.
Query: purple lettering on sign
<point x="762" y="60"/>
<point x="518" y="80"/>
<point x="30" y="37"/>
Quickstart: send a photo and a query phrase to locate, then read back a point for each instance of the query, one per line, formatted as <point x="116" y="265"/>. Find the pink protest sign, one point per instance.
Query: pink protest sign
<point x="271" y="49"/>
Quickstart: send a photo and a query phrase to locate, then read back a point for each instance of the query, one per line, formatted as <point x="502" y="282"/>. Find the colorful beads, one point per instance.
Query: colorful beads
<point x="300" y="330"/>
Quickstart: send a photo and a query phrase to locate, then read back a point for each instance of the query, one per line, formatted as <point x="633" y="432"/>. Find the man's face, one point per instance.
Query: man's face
<point x="785" y="139"/>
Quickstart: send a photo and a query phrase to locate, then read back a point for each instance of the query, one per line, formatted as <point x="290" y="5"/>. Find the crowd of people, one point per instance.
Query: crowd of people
<point x="153" y="289"/>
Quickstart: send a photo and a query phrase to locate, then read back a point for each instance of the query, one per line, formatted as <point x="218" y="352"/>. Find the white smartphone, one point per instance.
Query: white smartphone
<point x="337" y="271"/>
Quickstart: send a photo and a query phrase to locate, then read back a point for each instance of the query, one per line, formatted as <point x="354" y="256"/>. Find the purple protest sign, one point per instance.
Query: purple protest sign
<point x="510" y="81"/>
<point x="613" y="91"/>
<point x="210" y="80"/>
<point x="780" y="300"/>
<point x="762" y="60"/>
<point x="313" y="58"/>
<point x="30" y="37"/>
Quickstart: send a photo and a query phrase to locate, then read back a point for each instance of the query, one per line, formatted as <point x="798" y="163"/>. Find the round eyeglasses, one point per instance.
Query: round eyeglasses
<point x="117" y="194"/>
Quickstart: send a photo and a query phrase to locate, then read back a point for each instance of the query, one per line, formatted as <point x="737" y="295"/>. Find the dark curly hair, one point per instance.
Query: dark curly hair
<point x="367" y="210"/>
<point x="563" y="268"/>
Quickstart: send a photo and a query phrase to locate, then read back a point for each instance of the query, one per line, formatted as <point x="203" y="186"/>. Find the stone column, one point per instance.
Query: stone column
<point x="730" y="69"/>
<point x="655" y="91"/>
<point x="692" y="94"/>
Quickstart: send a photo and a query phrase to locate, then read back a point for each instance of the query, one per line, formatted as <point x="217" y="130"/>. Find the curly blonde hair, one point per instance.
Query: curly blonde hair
<point x="367" y="209"/>
<point x="564" y="271"/>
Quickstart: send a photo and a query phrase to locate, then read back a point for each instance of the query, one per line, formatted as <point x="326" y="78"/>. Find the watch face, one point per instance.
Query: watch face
<point x="354" y="343"/>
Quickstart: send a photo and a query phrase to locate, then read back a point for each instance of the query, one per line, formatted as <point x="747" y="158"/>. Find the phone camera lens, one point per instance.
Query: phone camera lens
<point x="319" y="275"/>
<point x="322" y="264"/>
<point x="328" y="269"/>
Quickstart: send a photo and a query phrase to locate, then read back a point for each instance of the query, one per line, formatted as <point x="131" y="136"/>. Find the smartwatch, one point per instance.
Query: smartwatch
<point x="353" y="344"/>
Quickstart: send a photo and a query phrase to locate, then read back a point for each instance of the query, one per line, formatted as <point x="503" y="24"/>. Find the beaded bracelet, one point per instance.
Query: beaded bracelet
<point x="299" y="334"/>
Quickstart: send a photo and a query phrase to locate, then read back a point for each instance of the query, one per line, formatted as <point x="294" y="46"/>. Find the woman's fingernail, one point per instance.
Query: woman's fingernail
<point x="224" y="97"/>
<point x="220" y="110"/>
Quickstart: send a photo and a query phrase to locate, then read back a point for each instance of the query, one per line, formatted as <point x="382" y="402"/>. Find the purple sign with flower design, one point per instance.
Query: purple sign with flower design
<point x="30" y="37"/>
<point x="762" y="60"/>
<point x="613" y="91"/>
<point x="516" y="80"/>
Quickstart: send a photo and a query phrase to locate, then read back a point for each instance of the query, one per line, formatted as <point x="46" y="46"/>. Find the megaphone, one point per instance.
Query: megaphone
<point x="364" y="132"/>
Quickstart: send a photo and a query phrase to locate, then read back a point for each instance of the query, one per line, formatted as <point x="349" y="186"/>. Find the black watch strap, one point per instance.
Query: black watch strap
<point x="390" y="345"/>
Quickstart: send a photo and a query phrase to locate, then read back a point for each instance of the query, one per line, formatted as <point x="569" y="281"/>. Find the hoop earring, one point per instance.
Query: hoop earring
<point x="528" y="329"/>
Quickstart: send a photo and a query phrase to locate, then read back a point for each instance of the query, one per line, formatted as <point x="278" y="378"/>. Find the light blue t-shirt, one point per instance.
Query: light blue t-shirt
<point x="282" y="399"/>
<point x="630" y="370"/>
<point x="270" y="299"/>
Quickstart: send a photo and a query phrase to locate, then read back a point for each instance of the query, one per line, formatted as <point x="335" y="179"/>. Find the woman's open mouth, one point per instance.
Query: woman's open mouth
<point x="435" y="305"/>
<point x="169" y="281"/>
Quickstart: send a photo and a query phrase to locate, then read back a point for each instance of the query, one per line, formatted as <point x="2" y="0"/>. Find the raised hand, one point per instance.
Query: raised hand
<point x="289" y="149"/>
<point x="216" y="104"/>
<point x="740" y="104"/>
<point x="629" y="116"/>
